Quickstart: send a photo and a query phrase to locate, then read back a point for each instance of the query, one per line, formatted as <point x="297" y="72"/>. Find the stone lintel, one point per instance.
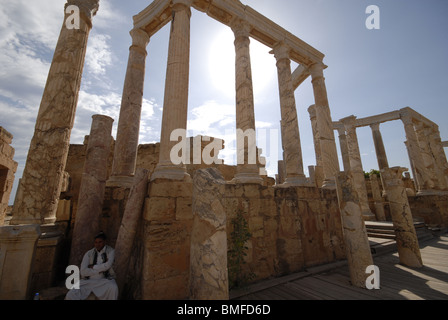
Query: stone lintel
<point x="159" y="13"/>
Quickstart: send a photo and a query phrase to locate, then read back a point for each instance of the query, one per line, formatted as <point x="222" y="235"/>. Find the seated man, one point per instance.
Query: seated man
<point x="97" y="275"/>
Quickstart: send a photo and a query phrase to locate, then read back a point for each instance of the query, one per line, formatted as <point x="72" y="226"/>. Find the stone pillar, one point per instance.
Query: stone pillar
<point x="407" y="241"/>
<point x="129" y="225"/>
<point x="37" y="199"/>
<point x="377" y="198"/>
<point x="208" y="252"/>
<point x="292" y="150"/>
<point x="316" y="139"/>
<point x="344" y="149"/>
<point x="7" y="172"/>
<point x="437" y="146"/>
<point x="328" y="149"/>
<point x="17" y="251"/>
<point x="175" y="105"/>
<point x="128" y="130"/>
<point x="423" y="136"/>
<point x="357" y="245"/>
<point x="421" y="177"/>
<point x="247" y="169"/>
<point x="379" y="146"/>
<point x="359" y="181"/>
<point x="92" y="189"/>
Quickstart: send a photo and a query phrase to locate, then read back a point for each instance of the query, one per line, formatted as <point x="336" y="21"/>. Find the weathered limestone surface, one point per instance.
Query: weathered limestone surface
<point x="167" y="219"/>
<point x="129" y="226"/>
<point x="175" y="105"/>
<point x="8" y="168"/>
<point x="130" y="112"/>
<point x="330" y="162"/>
<point x="38" y="194"/>
<point x="407" y="241"/>
<point x="292" y="151"/>
<point x="92" y="189"/>
<point x="357" y="172"/>
<point x="17" y="250"/>
<point x="208" y="252"/>
<point x="357" y="245"/>
<point x="377" y="199"/>
<point x="379" y="146"/>
<point x="247" y="170"/>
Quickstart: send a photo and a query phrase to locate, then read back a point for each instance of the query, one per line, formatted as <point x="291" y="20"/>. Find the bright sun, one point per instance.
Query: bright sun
<point x="222" y="64"/>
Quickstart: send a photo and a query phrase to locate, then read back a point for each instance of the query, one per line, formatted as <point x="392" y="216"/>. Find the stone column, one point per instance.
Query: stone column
<point x="357" y="245"/>
<point x="379" y="146"/>
<point x="359" y="181"/>
<point x="247" y="169"/>
<point x="421" y="177"/>
<point x="37" y="199"/>
<point x="423" y="136"/>
<point x="208" y="251"/>
<point x="328" y="149"/>
<point x="129" y="224"/>
<point x="125" y="154"/>
<point x="316" y="139"/>
<point x="93" y="186"/>
<point x="292" y="150"/>
<point x="377" y="198"/>
<point x="437" y="146"/>
<point x="175" y="105"/>
<point x="344" y="148"/>
<point x="407" y="241"/>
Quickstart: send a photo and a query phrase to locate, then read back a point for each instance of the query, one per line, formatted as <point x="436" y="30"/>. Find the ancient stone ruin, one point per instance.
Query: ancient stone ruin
<point x="172" y="223"/>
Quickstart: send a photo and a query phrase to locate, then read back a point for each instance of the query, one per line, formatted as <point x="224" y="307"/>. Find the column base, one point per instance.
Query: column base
<point x="170" y="172"/>
<point x="120" y="181"/>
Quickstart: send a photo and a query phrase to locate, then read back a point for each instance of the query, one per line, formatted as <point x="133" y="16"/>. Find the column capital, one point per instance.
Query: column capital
<point x="375" y="126"/>
<point x="317" y="70"/>
<point x="88" y="7"/>
<point x="240" y="28"/>
<point x="281" y="51"/>
<point x="349" y="122"/>
<point x="140" y="38"/>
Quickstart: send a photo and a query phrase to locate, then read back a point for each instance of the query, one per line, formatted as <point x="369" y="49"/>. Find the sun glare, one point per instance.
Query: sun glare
<point x="222" y="64"/>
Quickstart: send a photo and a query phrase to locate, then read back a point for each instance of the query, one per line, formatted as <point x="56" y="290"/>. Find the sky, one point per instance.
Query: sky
<point x="370" y="71"/>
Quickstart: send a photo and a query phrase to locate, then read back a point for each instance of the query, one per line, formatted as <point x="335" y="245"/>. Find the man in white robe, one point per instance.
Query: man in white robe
<point x="97" y="275"/>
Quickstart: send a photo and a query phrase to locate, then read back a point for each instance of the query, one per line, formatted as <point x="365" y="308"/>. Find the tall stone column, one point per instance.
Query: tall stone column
<point x="359" y="180"/>
<point x="38" y="195"/>
<point x="421" y="177"/>
<point x="379" y="146"/>
<point x="325" y="126"/>
<point x="356" y="241"/>
<point x="407" y="241"/>
<point x="437" y="146"/>
<point x="344" y="148"/>
<point x="292" y="150"/>
<point x="126" y="145"/>
<point x="92" y="189"/>
<point x="423" y="136"/>
<point x="175" y="105"/>
<point x="316" y="139"/>
<point x="247" y="169"/>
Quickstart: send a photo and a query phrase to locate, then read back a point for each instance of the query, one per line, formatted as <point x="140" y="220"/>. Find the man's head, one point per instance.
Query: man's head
<point x="100" y="241"/>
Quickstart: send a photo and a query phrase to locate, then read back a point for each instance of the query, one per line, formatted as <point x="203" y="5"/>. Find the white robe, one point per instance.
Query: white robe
<point x="94" y="279"/>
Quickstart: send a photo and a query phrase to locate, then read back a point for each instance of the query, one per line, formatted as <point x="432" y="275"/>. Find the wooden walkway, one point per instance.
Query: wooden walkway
<point x="397" y="282"/>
